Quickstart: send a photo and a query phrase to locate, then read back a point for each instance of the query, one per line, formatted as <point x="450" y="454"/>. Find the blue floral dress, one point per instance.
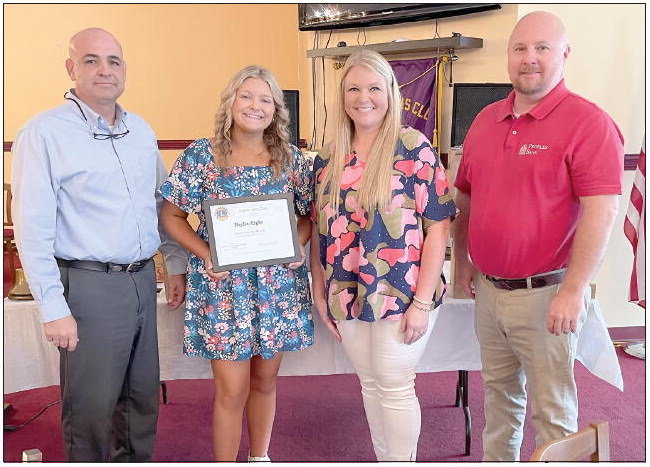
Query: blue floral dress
<point x="254" y="311"/>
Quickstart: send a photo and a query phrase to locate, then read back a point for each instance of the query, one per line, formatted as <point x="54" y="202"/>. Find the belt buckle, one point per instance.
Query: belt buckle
<point x="133" y="267"/>
<point x="538" y="282"/>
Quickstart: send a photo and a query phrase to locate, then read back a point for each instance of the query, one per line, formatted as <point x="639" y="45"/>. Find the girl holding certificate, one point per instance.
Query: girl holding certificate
<point x="242" y="319"/>
<point x="382" y="213"/>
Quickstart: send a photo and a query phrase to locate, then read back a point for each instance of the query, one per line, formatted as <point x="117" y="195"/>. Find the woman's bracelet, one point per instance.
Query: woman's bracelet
<point x="420" y="307"/>
<point x="422" y="302"/>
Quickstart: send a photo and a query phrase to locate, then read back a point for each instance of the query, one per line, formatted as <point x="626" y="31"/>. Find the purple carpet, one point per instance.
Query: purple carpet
<point x="320" y="419"/>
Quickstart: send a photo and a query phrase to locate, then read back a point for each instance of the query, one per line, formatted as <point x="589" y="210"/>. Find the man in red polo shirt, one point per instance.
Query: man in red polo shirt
<point x="538" y="188"/>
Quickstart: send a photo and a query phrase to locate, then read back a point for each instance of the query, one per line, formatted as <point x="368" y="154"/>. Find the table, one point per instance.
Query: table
<point x="32" y="362"/>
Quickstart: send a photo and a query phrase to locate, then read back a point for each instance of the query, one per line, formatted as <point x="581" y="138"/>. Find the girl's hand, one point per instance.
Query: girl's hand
<point x="217" y="276"/>
<point x="297" y="264"/>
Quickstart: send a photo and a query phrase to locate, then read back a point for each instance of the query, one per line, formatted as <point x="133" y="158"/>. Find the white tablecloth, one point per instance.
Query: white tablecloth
<point x="31" y="362"/>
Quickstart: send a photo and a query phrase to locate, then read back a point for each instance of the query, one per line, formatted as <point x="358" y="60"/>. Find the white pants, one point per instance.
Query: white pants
<point x="386" y="367"/>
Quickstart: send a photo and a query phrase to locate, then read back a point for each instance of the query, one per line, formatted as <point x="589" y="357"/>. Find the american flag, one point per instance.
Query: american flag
<point x="634" y="229"/>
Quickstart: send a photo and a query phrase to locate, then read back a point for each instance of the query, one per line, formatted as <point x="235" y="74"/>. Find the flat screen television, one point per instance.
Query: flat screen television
<point x="317" y="16"/>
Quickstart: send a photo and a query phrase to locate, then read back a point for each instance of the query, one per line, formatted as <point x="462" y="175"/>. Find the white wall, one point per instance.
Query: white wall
<point x="607" y="66"/>
<point x="613" y="278"/>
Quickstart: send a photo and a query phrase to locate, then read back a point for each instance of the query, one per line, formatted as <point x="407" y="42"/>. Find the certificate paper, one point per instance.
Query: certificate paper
<point x="252" y="231"/>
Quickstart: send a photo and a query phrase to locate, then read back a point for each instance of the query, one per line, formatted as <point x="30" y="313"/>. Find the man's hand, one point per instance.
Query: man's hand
<point x="62" y="332"/>
<point x="564" y="312"/>
<point x="176" y="292"/>
<point x="465" y="270"/>
<point x="464" y="277"/>
<point x="589" y="244"/>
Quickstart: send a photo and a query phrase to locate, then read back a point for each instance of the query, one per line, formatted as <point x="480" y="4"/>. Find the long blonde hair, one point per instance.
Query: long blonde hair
<point x="276" y="135"/>
<point x="375" y="188"/>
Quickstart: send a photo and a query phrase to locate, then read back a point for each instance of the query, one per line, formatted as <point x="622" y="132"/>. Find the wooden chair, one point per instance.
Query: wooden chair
<point x="8" y="239"/>
<point x="592" y="442"/>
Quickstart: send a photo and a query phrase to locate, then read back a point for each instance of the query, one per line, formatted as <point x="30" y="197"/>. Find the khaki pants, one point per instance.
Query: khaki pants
<point x="518" y="353"/>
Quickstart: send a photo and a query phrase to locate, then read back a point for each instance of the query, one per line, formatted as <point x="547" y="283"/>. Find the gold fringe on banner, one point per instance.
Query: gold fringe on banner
<point x="418" y="77"/>
<point x="438" y="89"/>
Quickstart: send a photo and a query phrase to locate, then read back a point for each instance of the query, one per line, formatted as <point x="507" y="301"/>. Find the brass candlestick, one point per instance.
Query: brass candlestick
<point x="20" y="290"/>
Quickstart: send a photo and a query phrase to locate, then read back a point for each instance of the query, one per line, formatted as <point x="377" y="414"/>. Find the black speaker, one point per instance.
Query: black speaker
<point x="291" y="101"/>
<point x="469" y="100"/>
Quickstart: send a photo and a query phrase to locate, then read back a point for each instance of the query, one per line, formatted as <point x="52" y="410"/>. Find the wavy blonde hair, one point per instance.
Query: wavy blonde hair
<point x="276" y="135"/>
<point x="375" y="187"/>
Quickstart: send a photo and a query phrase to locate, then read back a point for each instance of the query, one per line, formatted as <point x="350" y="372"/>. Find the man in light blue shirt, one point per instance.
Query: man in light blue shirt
<point x="85" y="182"/>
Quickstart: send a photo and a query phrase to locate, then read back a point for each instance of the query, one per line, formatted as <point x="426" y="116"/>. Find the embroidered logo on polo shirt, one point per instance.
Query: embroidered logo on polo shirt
<point x="531" y="149"/>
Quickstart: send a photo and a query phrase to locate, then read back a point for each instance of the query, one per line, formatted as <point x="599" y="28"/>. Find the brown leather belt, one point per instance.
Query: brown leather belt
<point x="103" y="267"/>
<point x="532" y="282"/>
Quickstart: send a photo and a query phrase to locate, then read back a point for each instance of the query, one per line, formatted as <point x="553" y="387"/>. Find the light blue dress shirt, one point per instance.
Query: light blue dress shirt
<point x="85" y="197"/>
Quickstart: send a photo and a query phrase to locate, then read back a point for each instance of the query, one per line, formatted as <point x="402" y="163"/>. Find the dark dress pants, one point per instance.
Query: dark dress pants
<point x="110" y="383"/>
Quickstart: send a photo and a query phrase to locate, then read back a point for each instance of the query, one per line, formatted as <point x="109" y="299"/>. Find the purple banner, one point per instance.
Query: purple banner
<point x="417" y="80"/>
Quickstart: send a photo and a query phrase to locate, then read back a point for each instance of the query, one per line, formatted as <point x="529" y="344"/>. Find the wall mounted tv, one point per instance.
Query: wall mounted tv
<point x="316" y="16"/>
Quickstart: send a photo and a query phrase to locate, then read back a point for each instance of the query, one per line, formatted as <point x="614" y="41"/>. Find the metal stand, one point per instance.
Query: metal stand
<point x="461" y="398"/>
<point x="163" y="386"/>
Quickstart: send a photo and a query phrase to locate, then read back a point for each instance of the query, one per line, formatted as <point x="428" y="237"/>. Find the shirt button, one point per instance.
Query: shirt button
<point x="514" y="132"/>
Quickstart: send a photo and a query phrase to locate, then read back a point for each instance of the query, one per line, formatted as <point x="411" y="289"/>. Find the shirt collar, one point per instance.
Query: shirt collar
<point x="94" y="120"/>
<point x="505" y="110"/>
<point x="543" y="107"/>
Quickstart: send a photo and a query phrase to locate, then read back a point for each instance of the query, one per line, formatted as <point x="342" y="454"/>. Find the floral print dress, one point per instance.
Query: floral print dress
<point x="372" y="259"/>
<point x="255" y="311"/>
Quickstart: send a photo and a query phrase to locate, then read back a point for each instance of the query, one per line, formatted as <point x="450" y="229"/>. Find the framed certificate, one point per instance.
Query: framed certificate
<point x="250" y="231"/>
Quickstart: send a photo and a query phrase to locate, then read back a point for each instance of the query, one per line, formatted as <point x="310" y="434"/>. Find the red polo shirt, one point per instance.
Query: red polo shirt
<point x="525" y="177"/>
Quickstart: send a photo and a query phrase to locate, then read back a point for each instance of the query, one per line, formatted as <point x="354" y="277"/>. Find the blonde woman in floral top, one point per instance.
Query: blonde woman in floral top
<point x="382" y="213"/>
<point x="242" y="319"/>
